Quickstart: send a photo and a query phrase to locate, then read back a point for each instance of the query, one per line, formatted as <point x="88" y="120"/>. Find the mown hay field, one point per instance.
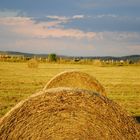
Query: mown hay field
<point x="17" y="82"/>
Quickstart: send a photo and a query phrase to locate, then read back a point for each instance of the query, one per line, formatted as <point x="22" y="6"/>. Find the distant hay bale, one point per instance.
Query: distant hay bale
<point x="65" y="113"/>
<point x="33" y="63"/>
<point x="76" y="79"/>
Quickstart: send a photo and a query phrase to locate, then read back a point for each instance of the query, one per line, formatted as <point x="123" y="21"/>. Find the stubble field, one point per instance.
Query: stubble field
<point x="17" y="82"/>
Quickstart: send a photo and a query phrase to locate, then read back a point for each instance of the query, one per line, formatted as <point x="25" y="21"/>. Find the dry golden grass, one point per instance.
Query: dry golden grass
<point x="76" y="79"/>
<point x="66" y="113"/>
<point x="17" y="82"/>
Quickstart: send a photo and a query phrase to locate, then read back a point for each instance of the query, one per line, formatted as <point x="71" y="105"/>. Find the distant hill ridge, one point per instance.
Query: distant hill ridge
<point x="129" y="57"/>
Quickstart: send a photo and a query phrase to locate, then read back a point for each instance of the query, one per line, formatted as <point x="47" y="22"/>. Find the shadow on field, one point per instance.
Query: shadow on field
<point x="137" y="118"/>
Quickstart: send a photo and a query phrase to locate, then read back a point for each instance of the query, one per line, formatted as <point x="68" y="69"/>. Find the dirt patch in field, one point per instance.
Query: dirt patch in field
<point x="66" y="113"/>
<point x="76" y="79"/>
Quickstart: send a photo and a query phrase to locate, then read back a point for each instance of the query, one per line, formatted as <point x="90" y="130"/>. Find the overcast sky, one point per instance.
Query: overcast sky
<point x="71" y="27"/>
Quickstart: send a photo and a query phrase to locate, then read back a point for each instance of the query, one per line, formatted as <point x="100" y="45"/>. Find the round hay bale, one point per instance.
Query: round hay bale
<point x="65" y="113"/>
<point x="76" y="79"/>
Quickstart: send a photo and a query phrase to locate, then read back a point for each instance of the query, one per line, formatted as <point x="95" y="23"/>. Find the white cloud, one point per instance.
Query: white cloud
<point x="62" y="18"/>
<point x="118" y="36"/>
<point x="78" y="17"/>
<point x="26" y="26"/>
<point x="11" y="13"/>
<point x="24" y="34"/>
<point x="9" y="21"/>
<point x="105" y="16"/>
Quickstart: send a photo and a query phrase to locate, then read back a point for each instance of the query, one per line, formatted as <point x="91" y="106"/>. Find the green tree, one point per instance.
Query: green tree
<point x="52" y="57"/>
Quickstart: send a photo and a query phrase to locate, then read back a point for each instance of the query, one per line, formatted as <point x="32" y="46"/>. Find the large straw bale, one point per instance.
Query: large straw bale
<point x="76" y="79"/>
<point x="70" y="114"/>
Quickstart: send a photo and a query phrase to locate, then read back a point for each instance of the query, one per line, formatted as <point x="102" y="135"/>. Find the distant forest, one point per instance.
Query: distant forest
<point x="133" y="58"/>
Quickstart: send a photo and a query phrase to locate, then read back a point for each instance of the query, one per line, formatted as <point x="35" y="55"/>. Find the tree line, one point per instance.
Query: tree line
<point x="53" y="58"/>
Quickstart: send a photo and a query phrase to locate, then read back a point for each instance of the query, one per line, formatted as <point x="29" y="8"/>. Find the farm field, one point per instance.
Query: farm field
<point x="17" y="82"/>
